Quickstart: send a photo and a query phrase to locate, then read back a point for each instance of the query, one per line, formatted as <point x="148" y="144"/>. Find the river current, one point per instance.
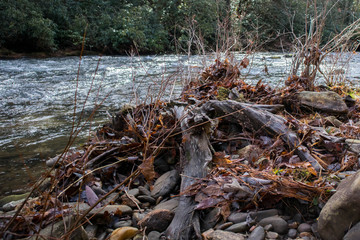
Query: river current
<point x="37" y="99"/>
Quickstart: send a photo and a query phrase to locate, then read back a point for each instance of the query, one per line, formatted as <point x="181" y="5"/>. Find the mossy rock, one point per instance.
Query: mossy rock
<point x="223" y="93"/>
<point x="12" y="198"/>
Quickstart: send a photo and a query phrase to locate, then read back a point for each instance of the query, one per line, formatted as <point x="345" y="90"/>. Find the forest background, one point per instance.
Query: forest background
<point x="164" y="26"/>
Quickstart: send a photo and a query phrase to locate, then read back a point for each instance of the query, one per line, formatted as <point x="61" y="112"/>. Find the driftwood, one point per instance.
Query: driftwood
<point x="195" y="156"/>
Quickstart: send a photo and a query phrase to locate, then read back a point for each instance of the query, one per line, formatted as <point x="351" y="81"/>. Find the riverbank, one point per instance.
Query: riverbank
<point x="254" y="162"/>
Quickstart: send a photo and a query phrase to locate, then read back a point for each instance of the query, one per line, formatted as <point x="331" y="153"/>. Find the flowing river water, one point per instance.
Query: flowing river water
<point x="37" y="99"/>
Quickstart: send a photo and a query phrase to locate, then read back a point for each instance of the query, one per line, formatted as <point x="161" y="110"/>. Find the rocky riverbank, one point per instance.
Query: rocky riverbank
<point x="227" y="160"/>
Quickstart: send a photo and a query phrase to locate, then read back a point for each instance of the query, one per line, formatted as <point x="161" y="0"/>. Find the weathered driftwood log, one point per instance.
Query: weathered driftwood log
<point x="195" y="156"/>
<point x="255" y="119"/>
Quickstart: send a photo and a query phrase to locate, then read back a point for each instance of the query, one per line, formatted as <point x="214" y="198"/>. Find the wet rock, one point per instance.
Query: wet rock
<point x="221" y="235"/>
<point x="237" y="217"/>
<point x="258" y="216"/>
<point x="171" y="204"/>
<point x="272" y="235"/>
<point x="146" y="198"/>
<point x="154" y="235"/>
<point x="257" y="234"/>
<point x="342" y="209"/>
<point x="353" y="233"/>
<point x="120" y="224"/>
<point x="123" y="233"/>
<point x="292" y="233"/>
<point x="304" y="227"/>
<point x="57" y="230"/>
<point x="165" y="184"/>
<point x="238" y="227"/>
<point x="329" y="102"/>
<point x="157" y="220"/>
<point x="211" y="218"/>
<point x="279" y="224"/>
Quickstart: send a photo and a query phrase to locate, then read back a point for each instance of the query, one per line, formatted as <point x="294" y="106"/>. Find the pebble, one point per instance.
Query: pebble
<point x="257" y="234"/>
<point x="238" y="227"/>
<point x="306" y="235"/>
<point x="272" y="235"/>
<point x="293" y="225"/>
<point x="146" y="198"/>
<point x="224" y="226"/>
<point x="171" y="204"/>
<point x="304" y="227"/>
<point x="119" y="224"/>
<point x="258" y="216"/>
<point x="279" y="224"/>
<point x="112" y="209"/>
<point x="292" y="233"/>
<point x="144" y="191"/>
<point x="211" y="218"/>
<point x="153" y="235"/>
<point x="157" y="220"/>
<point x="135" y="192"/>
<point x="130" y="200"/>
<point x="237" y="217"/>
<point x="222" y="235"/>
<point x="165" y="184"/>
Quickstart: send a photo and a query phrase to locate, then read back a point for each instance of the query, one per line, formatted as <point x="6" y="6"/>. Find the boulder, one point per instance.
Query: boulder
<point x="329" y="102"/>
<point x="342" y="210"/>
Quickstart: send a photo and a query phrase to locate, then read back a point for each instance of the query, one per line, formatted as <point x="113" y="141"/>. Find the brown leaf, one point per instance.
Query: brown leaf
<point x="147" y="169"/>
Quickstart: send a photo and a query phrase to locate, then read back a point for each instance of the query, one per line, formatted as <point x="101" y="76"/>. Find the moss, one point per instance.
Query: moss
<point x="223" y="93"/>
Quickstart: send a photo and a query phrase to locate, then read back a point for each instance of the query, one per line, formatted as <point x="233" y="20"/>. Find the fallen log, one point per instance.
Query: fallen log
<point x="256" y="119"/>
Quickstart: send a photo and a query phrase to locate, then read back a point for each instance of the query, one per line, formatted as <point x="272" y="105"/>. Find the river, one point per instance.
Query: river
<point x="37" y="99"/>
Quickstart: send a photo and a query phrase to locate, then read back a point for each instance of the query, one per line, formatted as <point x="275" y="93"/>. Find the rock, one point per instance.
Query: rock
<point x="222" y="235"/>
<point x="211" y="218"/>
<point x="157" y="220"/>
<point x="112" y="209"/>
<point x="268" y="227"/>
<point x="171" y="204"/>
<point x="111" y="199"/>
<point x="233" y="186"/>
<point x="135" y="192"/>
<point x="279" y="224"/>
<point x="123" y="233"/>
<point x="120" y="224"/>
<point x="342" y="209"/>
<point x="144" y="191"/>
<point x="57" y="230"/>
<point x="307" y="235"/>
<point x="329" y="102"/>
<point x="272" y="235"/>
<point x="304" y="227"/>
<point x="11" y="205"/>
<point x="292" y="233"/>
<point x="130" y="200"/>
<point x="257" y="234"/>
<point x="353" y="233"/>
<point x="224" y="226"/>
<point x="258" y="216"/>
<point x="154" y="235"/>
<point x="334" y="121"/>
<point x="165" y="184"/>
<point x="237" y="217"/>
<point x="137" y="216"/>
<point x="238" y="227"/>
<point x="12" y="198"/>
<point x="146" y="198"/>
<point x="353" y="145"/>
<point x="91" y="231"/>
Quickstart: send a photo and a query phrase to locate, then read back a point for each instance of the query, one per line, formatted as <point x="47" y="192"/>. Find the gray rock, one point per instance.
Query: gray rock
<point x="135" y="192"/>
<point x="258" y="216"/>
<point x="342" y="209"/>
<point x="111" y="199"/>
<point x="233" y="186"/>
<point x="120" y="224"/>
<point x="171" y="204"/>
<point x="137" y="216"/>
<point x="111" y="209"/>
<point x="11" y="205"/>
<point x="353" y="145"/>
<point x="268" y="227"/>
<point x="279" y="224"/>
<point x="165" y="184"/>
<point x="272" y="235"/>
<point x="257" y="234"/>
<point x="146" y="198"/>
<point x="353" y="233"/>
<point x="238" y="227"/>
<point x="154" y="235"/>
<point x="222" y="235"/>
<point x="304" y="227"/>
<point x="144" y="191"/>
<point x="329" y="102"/>
<point x="157" y="220"/>
<point x="211" y="218"/>
<point x="292" y="233"/>
<point x="237" y="217"/>
<point x="224" y="226"/>
<point x="57" y="230"/>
